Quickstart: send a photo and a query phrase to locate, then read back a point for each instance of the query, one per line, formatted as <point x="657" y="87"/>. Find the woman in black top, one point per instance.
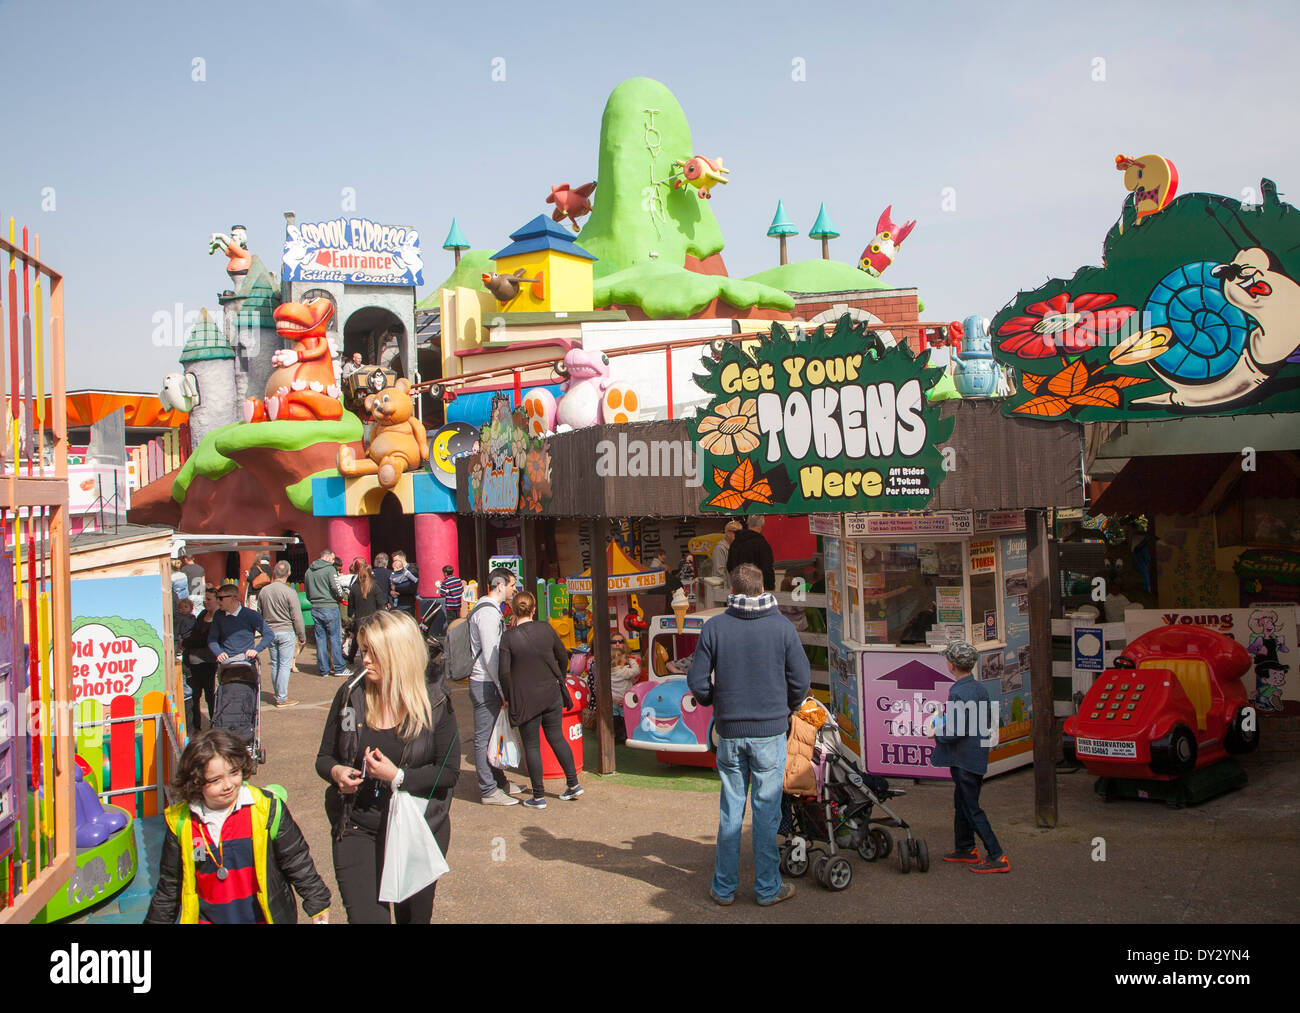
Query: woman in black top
<point x="364" y="600"/>
<point x="388" y="728"/>
<point x="199" y="661"/>
<point x="532" y="666"/>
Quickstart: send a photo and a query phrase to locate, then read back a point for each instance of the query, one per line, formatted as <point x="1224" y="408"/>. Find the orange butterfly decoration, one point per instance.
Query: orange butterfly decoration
<point x="739" y="486"/>
<point x="1070" y="388"/>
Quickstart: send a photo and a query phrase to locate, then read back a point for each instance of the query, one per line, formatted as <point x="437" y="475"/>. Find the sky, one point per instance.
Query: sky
<point x="994" y="126"/>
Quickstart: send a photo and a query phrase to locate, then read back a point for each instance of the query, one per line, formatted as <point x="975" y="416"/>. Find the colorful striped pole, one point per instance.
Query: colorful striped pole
<point x="40" y="370"/>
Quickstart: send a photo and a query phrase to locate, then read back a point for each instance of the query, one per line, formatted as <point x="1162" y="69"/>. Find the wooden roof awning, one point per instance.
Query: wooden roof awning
<point x="1000" y="463"/>
<point x="1197" y="483"/>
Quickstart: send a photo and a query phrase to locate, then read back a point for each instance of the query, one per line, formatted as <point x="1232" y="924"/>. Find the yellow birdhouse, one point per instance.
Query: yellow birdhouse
<point x="542" y="271"/>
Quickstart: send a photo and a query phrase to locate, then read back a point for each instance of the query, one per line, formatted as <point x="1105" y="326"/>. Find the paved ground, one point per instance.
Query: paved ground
<point x="626" y="852"/>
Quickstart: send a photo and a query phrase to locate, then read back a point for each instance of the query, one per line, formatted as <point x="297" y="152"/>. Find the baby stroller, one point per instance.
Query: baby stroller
<point x="238" y="704"/>
<point x="433" y="619"/>
<point x="840" y="816"/>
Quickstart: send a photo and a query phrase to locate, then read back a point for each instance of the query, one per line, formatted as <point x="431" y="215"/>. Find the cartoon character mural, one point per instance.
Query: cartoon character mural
<point x="1270" y="673"/>
<point x="302" y="386"/>
<point x="512" y="469"/>
<point x="1198" y="312"/>
<point x="447" y="446"/>
<point x="589" y="397"/>
<point x="882" y="249"/>
<point x="664" y="714"/>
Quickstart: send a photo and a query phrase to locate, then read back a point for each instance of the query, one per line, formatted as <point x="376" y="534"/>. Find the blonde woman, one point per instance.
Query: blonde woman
<point x="388" y="728"/>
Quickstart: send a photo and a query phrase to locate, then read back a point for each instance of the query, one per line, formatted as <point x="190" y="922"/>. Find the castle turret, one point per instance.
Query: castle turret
<point x="211" y="360"/>
<point x="250" y="329"/>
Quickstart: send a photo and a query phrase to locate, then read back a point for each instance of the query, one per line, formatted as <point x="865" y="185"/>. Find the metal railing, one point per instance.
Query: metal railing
<point x="167" y="752"/>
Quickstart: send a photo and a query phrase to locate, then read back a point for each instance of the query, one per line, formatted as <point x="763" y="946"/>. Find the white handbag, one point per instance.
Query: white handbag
<point x="412" y="858"/>
<point x="505" y="749"/>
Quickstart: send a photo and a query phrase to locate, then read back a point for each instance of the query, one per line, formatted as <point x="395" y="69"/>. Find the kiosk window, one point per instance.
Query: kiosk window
<point x="908" y="588"/>
<point x="983" y="598"/>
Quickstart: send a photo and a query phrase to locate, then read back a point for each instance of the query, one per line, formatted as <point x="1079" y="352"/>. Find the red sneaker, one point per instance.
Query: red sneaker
<point x="999" y="864"/>
<point x="967" y="857"/>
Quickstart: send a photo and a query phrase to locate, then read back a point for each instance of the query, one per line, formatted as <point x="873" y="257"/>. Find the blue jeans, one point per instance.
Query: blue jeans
<point x="282" y="650"/>
<point x="329" y="640"/>
<point x="969" y="818"/>
<point x="741" y="761"/>
<point x="487" y="705"/>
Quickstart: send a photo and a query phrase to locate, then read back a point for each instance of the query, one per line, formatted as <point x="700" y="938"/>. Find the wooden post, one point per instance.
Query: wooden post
<point x="826" y="248"/>
<point x="481" y="554"/>
<point x="528" y="574"/>
<point x="1040" y="667"/>
<point x="783" y="256"/>
<point x="600" y="626"/>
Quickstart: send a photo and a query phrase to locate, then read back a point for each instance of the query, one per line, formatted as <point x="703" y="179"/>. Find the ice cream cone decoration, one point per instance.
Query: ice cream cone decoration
<point x="681" y="605"/>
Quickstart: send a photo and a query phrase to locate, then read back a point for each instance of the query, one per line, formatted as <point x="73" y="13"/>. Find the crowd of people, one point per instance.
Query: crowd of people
<point x="213" y="629"/>
<point x="234" y="854"/>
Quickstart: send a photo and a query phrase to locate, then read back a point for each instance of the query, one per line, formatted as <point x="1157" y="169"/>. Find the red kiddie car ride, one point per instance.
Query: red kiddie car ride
<point x="1173" y="703"/>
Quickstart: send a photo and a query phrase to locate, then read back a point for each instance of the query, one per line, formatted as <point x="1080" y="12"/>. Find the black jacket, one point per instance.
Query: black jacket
<point x="381" y="576"/>
<point x="360" y="607"/>
<point x="289" y="863"/>
<point x="533" y="663"/>
<point x="196" y="641"/>
<point x="430" y="765"/>
<point x="752" y="547"/>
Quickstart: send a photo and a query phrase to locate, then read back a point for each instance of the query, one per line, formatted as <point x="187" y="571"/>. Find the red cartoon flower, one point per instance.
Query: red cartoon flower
<point x="1060" y="325"/>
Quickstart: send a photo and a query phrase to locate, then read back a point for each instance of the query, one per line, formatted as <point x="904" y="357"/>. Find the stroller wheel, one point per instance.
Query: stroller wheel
<point x="839" y="874"/>
<point x="922" y="857"/>
<point x="790" y="865"/>
<point x="884" y="843"/>
<point x="868" y="848"/>
<point x="819" y="870"/>
<point x="904" y="859"/>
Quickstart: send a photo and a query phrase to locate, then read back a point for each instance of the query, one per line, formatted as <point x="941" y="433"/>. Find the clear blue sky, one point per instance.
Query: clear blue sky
<point x="397" y="100"/>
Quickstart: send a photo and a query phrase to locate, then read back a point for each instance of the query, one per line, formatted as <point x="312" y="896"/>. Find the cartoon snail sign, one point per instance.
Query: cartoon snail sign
<point x="835" y="423"/>
<point x="1197" y="312"/>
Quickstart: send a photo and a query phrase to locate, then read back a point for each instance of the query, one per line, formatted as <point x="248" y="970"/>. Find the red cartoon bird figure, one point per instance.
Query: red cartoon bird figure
<point x="571" y="203"/>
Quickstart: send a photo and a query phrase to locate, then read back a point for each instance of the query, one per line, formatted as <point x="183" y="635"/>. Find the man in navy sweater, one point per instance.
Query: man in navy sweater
<point x="759" y="678"/>
<point x="235" y="629"/>
<point x="964" y="733"/>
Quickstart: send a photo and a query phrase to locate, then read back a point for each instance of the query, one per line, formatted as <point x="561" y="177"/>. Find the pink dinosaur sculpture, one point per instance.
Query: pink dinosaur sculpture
<point x="590" y="396"/>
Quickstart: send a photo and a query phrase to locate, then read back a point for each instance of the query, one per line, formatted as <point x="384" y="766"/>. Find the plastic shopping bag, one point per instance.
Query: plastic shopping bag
<point x="505" y="749"/>
<point x="412" y="858"/>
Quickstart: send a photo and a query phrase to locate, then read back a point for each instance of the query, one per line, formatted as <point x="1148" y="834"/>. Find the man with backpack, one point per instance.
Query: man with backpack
<point x="485" y="626"/>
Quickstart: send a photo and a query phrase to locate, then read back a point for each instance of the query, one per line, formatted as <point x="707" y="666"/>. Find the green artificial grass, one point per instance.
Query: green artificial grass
<point x="300" y="492"/>
<point x="210" y="457"/>
<point x="640" y="768"/>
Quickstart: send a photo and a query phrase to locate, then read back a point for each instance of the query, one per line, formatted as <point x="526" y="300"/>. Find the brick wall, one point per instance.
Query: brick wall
<point x="896" y="308"/>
